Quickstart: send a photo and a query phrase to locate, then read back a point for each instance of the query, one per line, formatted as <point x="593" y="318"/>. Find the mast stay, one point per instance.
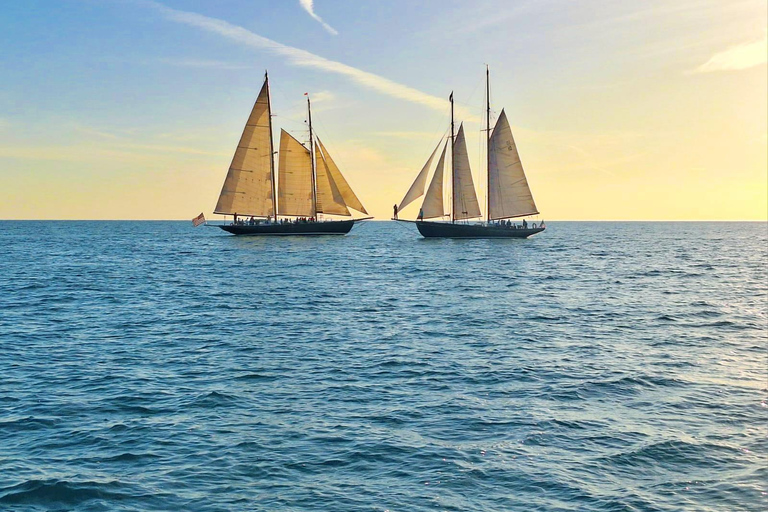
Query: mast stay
<point x="271" y="148"/>
<point x="312" y="158"/>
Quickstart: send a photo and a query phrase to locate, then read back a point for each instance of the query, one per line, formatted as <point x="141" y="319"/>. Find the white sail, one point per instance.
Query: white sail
<point x="247" y="188"/>
<point x="329" y="200"/>
<point x="433" y="202"/>
<point x="465" y="205"/>
<point x="350" y="199"/>
<point x="294" y="191"/>
<point x="417" y="188"/>
<point x="509" y="194"/>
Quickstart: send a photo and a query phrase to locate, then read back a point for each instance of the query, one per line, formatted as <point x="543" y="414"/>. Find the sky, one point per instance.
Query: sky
<point x="621" y="110"/>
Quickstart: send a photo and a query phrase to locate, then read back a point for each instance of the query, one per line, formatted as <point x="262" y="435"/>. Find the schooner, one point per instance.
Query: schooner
<point x="507" y="192"/>
<point x="288" y="202"/>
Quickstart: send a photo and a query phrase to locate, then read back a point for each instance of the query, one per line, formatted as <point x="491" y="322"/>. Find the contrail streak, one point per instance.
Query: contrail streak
<point x="299" y="57"/>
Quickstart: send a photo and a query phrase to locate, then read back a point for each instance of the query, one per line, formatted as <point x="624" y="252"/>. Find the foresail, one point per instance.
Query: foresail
<point x="465" y="205"/>
<point x="294" y="190"/>
<point x="350" y="199"/>
<point x="509" y="193"/>
<point x="433" y="202"/>
<point x="329" y="200"/>
<point x="417" y="188"/>
<point x="247" y="188"/>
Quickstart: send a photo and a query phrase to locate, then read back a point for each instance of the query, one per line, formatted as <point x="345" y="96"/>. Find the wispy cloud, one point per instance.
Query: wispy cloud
<point x="308" y="6"/>
<point x="323" y="97"/>
<point x="742" y="56"/>
<point x="302" y="58"/>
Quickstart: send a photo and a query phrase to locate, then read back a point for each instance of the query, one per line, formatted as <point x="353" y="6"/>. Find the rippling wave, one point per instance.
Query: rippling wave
<point x="598" y="366"/>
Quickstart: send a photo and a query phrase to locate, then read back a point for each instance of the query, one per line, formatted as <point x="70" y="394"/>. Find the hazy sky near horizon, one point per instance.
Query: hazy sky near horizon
<point x="621" y="110"/>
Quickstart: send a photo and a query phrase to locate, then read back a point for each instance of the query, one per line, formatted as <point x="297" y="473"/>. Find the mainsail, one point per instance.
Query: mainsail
<point x="509" y="193"/>
<point x="433" y="202"/>
<point x="417" y="188"/>
<point x="247" y="188"/>
<point x="465" y="205"/>
<point x="329" y="200"/>
<point x="350" y="199"/>
<point x="294" y="191"/>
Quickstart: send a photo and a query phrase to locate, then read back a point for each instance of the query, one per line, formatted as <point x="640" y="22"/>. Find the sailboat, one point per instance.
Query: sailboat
<point x="507" y="192"/>
<point x="308" y="184"/>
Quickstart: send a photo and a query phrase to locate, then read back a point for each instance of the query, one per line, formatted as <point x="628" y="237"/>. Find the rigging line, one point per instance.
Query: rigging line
<point x="472" y="94"/>
<point x="401" y="224"/>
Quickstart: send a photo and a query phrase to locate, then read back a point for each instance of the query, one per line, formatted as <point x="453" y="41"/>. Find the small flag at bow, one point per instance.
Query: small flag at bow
<point x="200" y="219"/>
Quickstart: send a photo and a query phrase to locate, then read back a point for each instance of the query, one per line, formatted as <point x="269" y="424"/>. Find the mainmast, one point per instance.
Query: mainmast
<point x="453" y="163"/>
<point x="312" y="159"/>
<point x="271" y="149"/>
<point x="488" y="144"/>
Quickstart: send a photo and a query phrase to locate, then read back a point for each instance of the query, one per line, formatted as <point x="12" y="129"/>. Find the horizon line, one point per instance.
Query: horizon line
<point x="391" y="220"/>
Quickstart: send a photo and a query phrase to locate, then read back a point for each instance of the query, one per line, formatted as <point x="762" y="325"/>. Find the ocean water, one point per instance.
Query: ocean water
<point x="150" y="366"/>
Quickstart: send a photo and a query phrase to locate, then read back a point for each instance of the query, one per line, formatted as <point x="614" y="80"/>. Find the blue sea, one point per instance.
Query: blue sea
<point x="152" y="366"/>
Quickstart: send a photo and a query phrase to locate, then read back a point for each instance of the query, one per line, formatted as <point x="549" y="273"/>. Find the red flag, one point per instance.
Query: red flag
<point x="306" y="94"/>
<point x="200" y="219"/>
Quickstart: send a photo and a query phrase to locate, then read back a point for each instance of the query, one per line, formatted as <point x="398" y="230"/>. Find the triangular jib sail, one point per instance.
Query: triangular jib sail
<point x="465" y="205"/>
<point x="329" y="200"/>
<point x="247" y="188"/>
<point x="433" y="202"/>
<point x="508" y="192"/>
<point x="417" y="188"/>
<point x="350" y="199"/>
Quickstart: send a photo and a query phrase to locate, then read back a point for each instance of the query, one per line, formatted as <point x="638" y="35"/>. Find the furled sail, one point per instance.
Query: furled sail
<point x="509" y="194"/>
<point x="294" y="190"/>
<point x="350" y="199"/>
<point x="417" y="189"/>
<point x="247" y="188"/>
<point x="465" y="205"/>
<point x="433" y="202"/>
<point x="329" y="200"/>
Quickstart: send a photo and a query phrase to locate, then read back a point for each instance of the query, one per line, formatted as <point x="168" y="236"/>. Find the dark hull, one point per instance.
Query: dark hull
<point x="339" y="227"/>
<point x="449" y="230"/>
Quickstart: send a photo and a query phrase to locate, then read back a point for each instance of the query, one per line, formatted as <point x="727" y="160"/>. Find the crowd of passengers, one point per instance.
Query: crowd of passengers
<point x="511" y="225"/>
<point x="252" y="221"/>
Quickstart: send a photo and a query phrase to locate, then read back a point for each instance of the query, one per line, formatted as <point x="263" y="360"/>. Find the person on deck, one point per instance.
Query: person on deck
<point x="395" y="210"/>
<point x="525" y="224"/>
<point x="421" y="214"/>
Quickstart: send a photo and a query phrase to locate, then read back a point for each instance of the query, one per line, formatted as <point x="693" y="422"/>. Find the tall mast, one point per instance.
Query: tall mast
<point x="488" y="145"/>
<point x="312" y="159"/>
<point x="271" y="149"/>
<point x="453" y="163"/>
